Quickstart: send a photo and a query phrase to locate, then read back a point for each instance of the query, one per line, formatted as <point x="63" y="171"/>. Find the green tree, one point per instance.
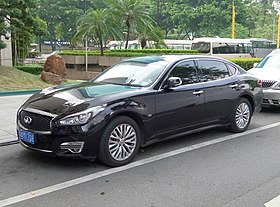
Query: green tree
<point x="163" y="17"/>
<point x="21" y="24"/>
<point x="41" y="30"/>
<point x="61" y="17"/>
<point x="154" y="34"/>
<point x="4" y="27"/>
<point x="131" y="13"/>
<point x="264" y="19"/>
<point x="97" y="25"/>
<point x="198" y="19"/>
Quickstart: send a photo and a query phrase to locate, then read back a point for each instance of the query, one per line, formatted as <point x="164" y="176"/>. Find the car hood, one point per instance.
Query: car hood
<point x="266" y="73"/>
<point x="77" y="97"/>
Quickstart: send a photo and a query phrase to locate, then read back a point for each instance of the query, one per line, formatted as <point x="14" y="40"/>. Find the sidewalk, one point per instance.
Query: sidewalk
<point x="8" y="109"/>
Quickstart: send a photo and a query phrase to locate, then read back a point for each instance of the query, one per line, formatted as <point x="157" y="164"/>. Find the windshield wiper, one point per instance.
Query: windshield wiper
<point x="122" y="84"/>
<point x="129" y="84"/>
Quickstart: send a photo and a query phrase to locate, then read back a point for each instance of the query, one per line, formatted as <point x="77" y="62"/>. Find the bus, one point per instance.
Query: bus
<point x="135" y="44"/>
<point x="132" y="44"/>
<point x="262" y="47"/>
<point x="178" y="44"/>
<point x="223" y="47"/>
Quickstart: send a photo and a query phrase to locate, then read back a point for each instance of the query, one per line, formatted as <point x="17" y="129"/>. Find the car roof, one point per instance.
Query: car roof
<point x="169" y="58"/>
<point x="220" y="40"/>
<point x="276" y="51"/>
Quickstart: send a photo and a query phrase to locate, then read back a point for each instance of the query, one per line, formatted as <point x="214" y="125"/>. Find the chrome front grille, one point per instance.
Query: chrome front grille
<point x="271" y="102"/>
<point x="267" y="83"/>
<point x="38" y="122"/>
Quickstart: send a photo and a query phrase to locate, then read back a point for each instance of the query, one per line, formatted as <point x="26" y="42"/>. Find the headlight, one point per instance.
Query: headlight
<point x="80" y="118"/>
<point x="277" y="87"/>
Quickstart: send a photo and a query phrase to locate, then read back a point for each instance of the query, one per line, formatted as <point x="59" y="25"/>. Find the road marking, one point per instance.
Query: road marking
<point x="94" y="176"/>
<point x="275" y="202"/>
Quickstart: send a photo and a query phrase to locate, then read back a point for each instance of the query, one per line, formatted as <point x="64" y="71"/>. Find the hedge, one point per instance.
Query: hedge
<point x="155" y="51"/>
<point x="246" y="63"/>
<point x="79" y="52"/>
<point x="33" y="69"/>
<point x="129" y="52"/>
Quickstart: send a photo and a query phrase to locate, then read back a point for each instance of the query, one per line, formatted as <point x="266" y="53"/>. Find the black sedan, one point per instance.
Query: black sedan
<point x="137" y="102"/>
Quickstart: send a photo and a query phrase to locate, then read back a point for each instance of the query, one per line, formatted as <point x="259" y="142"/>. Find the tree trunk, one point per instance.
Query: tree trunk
<point x="13" y="38"/>
<point x="101" y="47"/>
<point x="127" y="39"/>
<point x="127" y="34"/>
<point x="40" y="45"/>
<point x="143" y="43"/>
<point x="166" y="33"/>
<point x="53" y="42"/>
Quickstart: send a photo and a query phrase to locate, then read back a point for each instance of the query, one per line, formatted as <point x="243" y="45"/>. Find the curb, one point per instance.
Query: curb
<point x="7" y="143"/>
<point x="14" y="93"/>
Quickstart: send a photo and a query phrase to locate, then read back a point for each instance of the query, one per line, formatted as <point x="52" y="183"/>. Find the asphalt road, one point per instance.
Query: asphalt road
<point x="212" y="168"/>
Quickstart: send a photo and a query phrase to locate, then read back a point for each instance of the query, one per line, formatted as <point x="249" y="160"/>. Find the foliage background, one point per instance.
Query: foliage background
<point x="56" y="21"/>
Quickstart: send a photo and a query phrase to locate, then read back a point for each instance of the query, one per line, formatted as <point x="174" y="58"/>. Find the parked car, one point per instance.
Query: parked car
<point x="138" y="102"/>
<point x="268" y="70"/>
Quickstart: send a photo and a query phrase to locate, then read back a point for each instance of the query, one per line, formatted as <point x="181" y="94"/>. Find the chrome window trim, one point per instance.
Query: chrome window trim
<point x="36" y="111"/>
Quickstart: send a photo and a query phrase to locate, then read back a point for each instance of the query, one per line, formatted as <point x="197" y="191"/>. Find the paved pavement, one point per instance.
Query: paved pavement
<point x="9" y="106"/>
<point x="212" y="168"/>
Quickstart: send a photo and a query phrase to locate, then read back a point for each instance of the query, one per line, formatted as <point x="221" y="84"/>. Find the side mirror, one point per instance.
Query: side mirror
<point x="255" y="64"/>
<point x="174" y="82"/>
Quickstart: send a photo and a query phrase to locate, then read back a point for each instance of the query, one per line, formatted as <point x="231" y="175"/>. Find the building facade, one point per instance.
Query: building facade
<point x="6" y="53"/>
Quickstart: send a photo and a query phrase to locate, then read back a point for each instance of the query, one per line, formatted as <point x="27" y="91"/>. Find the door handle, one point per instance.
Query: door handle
<point x="234" y="86"/>
<point x="197" y="93"/>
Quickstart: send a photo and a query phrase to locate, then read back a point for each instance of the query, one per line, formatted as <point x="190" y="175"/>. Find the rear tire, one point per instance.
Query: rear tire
<point x="241" y="116"/>
<point x="119" y="142"/>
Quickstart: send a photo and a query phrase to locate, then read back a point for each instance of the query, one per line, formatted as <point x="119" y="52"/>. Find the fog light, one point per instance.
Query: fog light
<point x="73" y="147"/>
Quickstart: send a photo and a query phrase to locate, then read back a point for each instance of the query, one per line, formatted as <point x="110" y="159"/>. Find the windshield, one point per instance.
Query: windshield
<point x="271" y="61"/>
<point x="133" y="73"/>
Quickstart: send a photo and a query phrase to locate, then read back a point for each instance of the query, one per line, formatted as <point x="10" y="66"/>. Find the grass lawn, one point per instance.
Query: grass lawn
<point x="12" y="79"/>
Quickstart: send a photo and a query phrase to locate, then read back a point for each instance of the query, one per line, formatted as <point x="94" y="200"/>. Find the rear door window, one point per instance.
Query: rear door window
<point x="212" y="70"/>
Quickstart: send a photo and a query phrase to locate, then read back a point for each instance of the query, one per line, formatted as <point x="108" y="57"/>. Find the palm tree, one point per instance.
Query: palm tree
<point x="131" y="13"/>
<point x="154" y="34"/>
<point x="96" y="25"/>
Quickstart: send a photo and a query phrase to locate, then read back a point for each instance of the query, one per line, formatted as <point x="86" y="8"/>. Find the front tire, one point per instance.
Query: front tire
<point x="119" y="142"/>
<point x="241" y="117"/>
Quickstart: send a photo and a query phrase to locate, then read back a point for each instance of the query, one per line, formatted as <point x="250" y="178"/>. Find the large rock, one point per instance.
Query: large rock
<point x="56" y="65"/>
<point x="51" y="78"/>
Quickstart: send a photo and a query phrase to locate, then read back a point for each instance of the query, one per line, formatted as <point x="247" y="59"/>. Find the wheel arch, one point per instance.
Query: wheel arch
<point x="134" y="117"/>
<point x="251" y="101"/>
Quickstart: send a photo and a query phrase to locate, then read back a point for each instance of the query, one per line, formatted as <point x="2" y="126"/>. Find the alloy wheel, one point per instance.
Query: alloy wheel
<point x="122" y="142"/>
<point x="242" y="116"/>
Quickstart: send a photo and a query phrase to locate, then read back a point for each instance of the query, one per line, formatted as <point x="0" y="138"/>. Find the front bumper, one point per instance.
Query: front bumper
<point x="271" y="98"/>
<point x="70" y="145"/>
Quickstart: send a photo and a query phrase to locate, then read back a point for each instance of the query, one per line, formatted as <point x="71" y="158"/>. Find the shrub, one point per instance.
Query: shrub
<point x="246" y="63"/>
<point x="33" y="69"/>
<point x="126" y="54"/>
<point x="33" y="54"/>
<point x="79" y="52"/>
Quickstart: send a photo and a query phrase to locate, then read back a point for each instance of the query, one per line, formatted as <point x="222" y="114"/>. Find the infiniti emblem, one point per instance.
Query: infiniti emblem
<point x="27" y="120"/>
